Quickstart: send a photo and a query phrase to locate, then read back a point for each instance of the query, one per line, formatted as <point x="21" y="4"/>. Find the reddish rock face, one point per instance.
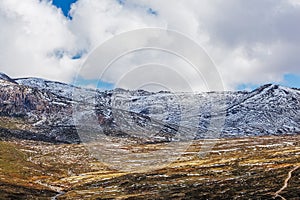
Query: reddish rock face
<point x="43" y="111"/>
<point x="18" y="100"/>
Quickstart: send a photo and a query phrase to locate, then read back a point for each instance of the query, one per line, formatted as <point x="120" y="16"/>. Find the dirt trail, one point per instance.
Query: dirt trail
<point x="286" y="183"/>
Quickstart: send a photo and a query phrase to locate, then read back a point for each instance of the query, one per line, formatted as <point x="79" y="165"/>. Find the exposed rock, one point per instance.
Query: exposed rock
<point x="49" y="108"/>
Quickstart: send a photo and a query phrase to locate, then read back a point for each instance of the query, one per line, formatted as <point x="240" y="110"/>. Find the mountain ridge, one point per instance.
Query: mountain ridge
<point x="47" y="107"/>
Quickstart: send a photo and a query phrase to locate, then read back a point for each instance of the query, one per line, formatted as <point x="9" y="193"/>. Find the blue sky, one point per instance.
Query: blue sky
<point x="92" y="83"/>
<point x="290" y="80"/>
<point x="65" y="5"/>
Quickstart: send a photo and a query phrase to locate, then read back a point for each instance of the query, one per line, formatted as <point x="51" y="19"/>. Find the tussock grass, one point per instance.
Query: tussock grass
<point x="244" y="168"/>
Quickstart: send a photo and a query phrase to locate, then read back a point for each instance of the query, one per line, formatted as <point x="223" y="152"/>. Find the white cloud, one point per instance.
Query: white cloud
<point x="251" y="42"/>
<point x="33" y="35"/>
<point x="96" y="21"/>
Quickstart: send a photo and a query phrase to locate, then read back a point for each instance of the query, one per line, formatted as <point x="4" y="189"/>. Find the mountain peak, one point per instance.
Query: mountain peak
<point x="274" y="88"/>
<point x="6" y="78"/>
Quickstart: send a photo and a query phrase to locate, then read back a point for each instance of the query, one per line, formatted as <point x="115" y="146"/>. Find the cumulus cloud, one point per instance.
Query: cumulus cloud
<point x="34" y="40"/>
<point x="95" y="21"/>
<point x="250" y="42"/>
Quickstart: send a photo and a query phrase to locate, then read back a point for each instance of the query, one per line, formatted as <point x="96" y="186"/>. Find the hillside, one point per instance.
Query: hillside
<point x="240" y="168"/>
<point x="51" y="111"/>
<point x="59" y="141"/>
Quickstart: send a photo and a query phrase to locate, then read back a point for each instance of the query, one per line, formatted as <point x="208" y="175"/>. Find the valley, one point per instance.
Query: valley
<point x="59" y="141"/>
<point x="236" y="168"/>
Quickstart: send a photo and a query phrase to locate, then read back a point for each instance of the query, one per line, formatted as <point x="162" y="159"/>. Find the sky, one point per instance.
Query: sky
<point x="250" y="42"/>
<point x="64" y="5"/>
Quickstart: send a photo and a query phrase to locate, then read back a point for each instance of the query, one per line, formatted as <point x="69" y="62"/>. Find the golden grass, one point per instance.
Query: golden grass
<point x="236" y="168"/>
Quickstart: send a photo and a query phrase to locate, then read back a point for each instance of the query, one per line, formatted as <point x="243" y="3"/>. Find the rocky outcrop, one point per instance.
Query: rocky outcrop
<point x="48" y="115"/>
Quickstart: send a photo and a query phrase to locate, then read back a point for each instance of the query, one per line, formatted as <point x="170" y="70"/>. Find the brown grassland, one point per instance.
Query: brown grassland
<point x="240" y="168"/>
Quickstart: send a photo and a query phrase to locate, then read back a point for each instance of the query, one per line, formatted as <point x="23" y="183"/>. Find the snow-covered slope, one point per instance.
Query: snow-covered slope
<point x="6" y="78"/>
<point x="49" y="108"/>
<point x="43" y="115"/>
<point x="61" y="89"/>
<point x="270" y="109"/>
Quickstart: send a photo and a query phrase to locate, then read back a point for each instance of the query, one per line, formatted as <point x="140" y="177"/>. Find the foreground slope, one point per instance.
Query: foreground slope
<point x="240" y="168"/>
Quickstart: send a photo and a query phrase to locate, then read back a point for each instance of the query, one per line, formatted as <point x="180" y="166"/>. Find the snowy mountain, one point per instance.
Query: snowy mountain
<point x="46" y="110"/>
<point x="6" y="78"/>
<point x="270" y="109"/>
<point x="61" y="89"/>
<point x="30" y="113"/>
